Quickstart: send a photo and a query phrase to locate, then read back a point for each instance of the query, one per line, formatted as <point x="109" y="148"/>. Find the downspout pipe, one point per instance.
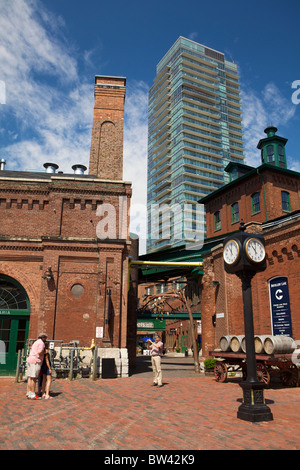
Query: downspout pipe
<point x="264" y="193"/>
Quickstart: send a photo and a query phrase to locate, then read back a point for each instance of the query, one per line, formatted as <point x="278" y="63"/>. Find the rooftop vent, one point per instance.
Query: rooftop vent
<point x="50" y="167"/>
<point x="79" y="169"/>
<point x="2" y="164"/>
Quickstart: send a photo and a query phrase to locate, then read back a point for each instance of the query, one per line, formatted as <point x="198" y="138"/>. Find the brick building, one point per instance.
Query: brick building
<point x="267" y="200"/>
<point x="64" y="242"/>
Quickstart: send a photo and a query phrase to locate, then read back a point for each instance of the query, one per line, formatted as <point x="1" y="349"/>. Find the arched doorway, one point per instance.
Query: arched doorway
<point x="14" y="323"/>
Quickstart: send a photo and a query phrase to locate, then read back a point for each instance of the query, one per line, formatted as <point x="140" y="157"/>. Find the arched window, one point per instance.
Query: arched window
<point x="12" y="297"/>
<point x="255" y="203"/>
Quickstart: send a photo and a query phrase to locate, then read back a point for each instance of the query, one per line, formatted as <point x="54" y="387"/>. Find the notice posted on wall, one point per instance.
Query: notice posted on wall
<point x="99" y="331"/>
<point x="280" y="306"/>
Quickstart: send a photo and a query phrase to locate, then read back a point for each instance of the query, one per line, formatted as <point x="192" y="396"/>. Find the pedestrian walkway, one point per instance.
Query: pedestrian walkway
<point x="193" y="412"/>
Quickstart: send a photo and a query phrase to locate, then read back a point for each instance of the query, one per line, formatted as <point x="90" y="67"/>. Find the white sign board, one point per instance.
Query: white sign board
<point x="99" y="331"/>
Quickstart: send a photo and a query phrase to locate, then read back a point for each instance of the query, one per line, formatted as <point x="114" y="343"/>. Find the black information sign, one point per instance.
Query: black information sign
<point x="280" y="306"/>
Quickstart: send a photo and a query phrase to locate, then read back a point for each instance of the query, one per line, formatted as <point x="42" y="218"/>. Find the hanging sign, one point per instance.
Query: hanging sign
<point x="146" y="325"/>
<point x="280" y="306"/>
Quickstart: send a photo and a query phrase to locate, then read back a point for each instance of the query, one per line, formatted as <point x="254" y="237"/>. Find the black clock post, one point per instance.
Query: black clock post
<point x="249" y="259"/>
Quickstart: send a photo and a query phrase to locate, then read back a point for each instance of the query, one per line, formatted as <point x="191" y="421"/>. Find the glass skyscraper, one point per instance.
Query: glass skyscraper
<point x="195" y="130"/>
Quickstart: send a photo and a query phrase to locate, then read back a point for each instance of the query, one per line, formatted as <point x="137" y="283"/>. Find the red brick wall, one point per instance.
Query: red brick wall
<point x="270" y="206"/>
<point x="283" y="259"/>
<point x="55" y="222"/>
<point x="95" y="265"/>
<point x="58" y="209"/>
<point x="60" y="230"/>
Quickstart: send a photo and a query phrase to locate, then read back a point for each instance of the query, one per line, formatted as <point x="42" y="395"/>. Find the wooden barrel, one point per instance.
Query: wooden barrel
<point x="235" y="343"/>
<point x="225" y="343"/>
<point x="259" y="343"/>
<point x="243" y="344"/>
<point x="279" y="344"/>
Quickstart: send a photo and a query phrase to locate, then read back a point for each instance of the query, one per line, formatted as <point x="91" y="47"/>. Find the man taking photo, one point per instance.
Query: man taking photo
<point x="156" y="349"/>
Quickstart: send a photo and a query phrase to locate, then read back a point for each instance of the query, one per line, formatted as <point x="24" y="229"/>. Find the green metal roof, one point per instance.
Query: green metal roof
<point x="171" y="316"/>
<point x="172" y="255"/>
<point x="264" y="166"/>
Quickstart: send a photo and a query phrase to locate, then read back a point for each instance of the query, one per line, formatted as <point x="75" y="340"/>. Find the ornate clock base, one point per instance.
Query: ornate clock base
<point x="253" y="408"/>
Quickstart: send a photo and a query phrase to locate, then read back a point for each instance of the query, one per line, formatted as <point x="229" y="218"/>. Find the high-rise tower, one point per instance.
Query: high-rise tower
<point x="195" y="130"/>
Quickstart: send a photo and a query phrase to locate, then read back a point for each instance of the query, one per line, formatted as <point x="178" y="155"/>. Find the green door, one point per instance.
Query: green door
<point x="14" y="323"/>
<point x="13" y="335"/>
<point x="184" y="343"/>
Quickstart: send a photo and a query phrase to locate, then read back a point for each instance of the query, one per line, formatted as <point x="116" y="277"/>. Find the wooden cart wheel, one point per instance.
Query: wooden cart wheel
<point x="262" y="373"/>
<point x="220" y="372"/>
<point x="289" y="376"/>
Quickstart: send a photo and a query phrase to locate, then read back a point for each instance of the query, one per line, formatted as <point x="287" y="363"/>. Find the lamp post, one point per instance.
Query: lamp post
<point x="244" y="255"/>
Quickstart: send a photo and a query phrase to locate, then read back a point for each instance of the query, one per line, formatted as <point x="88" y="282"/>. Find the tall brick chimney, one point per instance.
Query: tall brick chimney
<point x="106" y="157"/>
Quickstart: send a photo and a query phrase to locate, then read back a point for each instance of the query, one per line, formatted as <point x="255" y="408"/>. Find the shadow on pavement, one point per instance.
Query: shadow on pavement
<point x="171" y="366"/>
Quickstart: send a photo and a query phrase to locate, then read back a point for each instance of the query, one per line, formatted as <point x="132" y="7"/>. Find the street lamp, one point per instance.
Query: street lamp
<point x="48" y="274"/>
<point x="244" y="255"/>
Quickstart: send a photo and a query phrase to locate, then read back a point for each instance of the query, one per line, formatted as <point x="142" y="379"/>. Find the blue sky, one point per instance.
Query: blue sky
<point x="50" y="51"/>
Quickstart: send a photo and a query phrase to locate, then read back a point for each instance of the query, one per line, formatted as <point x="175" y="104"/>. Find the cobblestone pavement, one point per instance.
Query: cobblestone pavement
<point x="190" y="412"/>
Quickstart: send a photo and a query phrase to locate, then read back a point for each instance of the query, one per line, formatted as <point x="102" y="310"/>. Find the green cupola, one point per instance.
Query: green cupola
<point x="273" y="148"/>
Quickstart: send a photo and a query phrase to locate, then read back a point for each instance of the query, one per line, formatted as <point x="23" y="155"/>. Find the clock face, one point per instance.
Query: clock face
<point x="231" y="252"/>
<point x="255" y="250"/>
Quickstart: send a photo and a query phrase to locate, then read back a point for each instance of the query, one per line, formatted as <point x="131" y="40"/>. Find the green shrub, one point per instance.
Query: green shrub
<point x="210" y="363"/>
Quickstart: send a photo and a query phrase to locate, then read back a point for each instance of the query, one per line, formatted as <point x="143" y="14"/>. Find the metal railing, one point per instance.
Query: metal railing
<point x="66" y="360"/>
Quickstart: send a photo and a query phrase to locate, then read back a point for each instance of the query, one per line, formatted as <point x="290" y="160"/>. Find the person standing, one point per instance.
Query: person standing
<point x="156" y="349"/>
<point x="44" y="380"/>
<point x="34" y="364"/>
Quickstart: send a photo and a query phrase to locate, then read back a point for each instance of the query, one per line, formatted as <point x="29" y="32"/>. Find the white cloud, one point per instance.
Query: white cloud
<point x="28" y="43"/>
<point x="135" y="155"/>
<point x="294" y="164"/>
<point x="268" y="108"/>
<point x="62" y="129"/>
<point x="52" y="107"/>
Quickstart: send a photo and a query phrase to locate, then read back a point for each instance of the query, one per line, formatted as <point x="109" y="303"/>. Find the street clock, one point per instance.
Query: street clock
<point x="255" y="250"/>
<point x="244" y="252"/>
<point x="231" y="252"/>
